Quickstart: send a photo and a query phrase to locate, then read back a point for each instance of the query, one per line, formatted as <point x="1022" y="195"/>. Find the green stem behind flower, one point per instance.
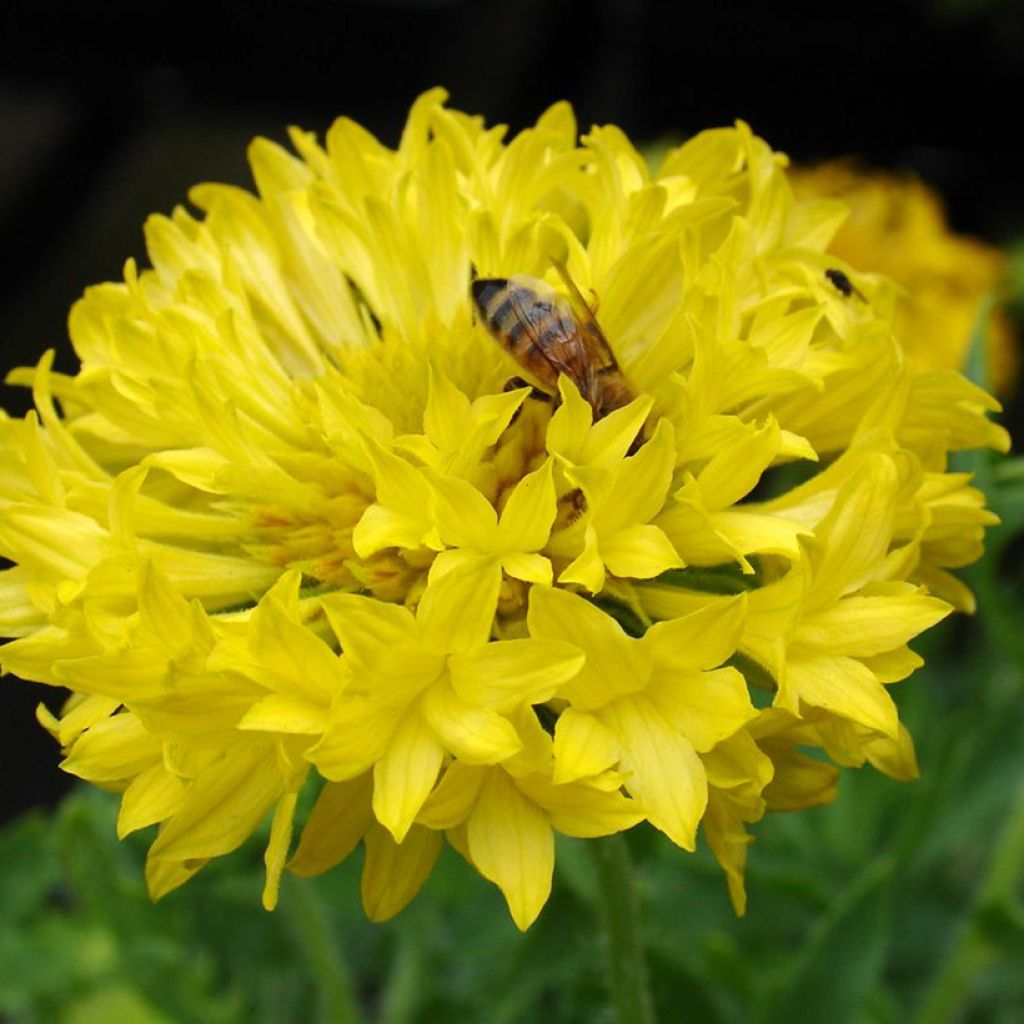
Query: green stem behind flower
<point x="978" y="946"/>
<point x="617" y="908"/>
<point x="325" y="960"/>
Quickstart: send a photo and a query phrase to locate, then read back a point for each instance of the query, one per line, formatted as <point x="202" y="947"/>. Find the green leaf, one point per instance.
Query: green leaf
<point x="835" y="973"/>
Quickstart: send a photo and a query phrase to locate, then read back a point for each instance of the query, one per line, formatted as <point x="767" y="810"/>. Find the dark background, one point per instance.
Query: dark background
<point x="111" y="111"/>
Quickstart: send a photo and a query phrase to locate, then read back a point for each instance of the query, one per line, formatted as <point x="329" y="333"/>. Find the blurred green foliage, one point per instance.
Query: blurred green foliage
<point x="900" y="902"/>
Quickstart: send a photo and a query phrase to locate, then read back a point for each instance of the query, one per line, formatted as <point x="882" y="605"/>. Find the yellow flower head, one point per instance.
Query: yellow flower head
<point x="294" y="524"/>
<point x="897" y="226"/>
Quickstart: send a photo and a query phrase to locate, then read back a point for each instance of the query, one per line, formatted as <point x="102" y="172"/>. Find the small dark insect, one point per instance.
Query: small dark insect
<point x="843" y="284"/>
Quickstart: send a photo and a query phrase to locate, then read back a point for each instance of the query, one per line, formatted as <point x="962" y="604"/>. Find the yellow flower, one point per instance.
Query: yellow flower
<point x="288" y="528"/>
<point x="649" y="706"/>
<point x="897" y="226"/>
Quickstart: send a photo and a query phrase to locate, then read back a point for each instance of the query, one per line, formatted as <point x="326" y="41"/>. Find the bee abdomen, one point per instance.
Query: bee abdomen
<point x="495" y="299"/>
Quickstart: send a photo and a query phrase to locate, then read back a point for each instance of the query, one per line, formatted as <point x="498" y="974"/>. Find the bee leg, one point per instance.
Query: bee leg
<point x="638" y="442"/>
<point x="515" y="383"/>
<point x="571" y="506"/>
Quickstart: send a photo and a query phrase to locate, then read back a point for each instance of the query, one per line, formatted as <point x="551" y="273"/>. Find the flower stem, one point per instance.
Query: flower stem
<point x="319" y="944"/>
<point x="976" y="950"/>
<point x="617" y="906"/>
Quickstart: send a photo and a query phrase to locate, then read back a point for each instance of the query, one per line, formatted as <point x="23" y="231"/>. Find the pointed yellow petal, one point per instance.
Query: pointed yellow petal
<point x="381" y="527"/>
<point x="446" y="413"/>
<point x="506" y="673"/>
<point x="457" y="610"/>
<point x="530" y="568"/>
<point x="474" y="734"/>
<point x="282" y="712"/>
<point x="611" y="437"/>
<point x="465" y="518"/>
<point x="583" y="810"/>
<point x="357" y="735"/>
<point x="855" y="534"/>
<point x="367" y="627"/>
<point x="640" y="551"/>
<point x="405" y="775"/>
<point x="664" y="773"/>
<point x="865" y="626"/>
<point x="733" y="474"/>
<point x="339" y="819"/>
<point x="512" y="845"/>
<point x="841" y="685"/>
<point x="587" y="569"/>
<point x="529" y="512"/>
<point x="222" y="806"/>
<point x="151" y="797"/>
<point x="394" y="873"/>
<point x="702" y="639"/>
<point x="454" y="796"/>
<point x="584" y="746"/>
<point x="895" y="757"/>
<point x="570" y="426"/>
<point x="115" y="748"/>
<point x="614" y="663"/>
<point x="277" y="847"/>
<point x="705" y="707"/>
<point x="642" y="482"/>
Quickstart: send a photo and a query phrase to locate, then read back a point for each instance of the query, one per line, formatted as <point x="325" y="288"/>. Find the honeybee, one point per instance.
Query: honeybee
<point x="548" y="335"/>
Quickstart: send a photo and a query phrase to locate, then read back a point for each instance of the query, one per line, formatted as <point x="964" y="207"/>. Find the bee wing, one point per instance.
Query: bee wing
<point x="553" y="334"/>
<point x="601" y="354"/>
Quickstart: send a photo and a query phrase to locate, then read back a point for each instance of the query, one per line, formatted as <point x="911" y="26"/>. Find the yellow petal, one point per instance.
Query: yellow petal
<point x="529" y="512"/>
<point x="700" y="639"/>
<point x="614" y="663"/>
<point x="531" y="568"/>
<point x="474" y="734"/>
<point x="282" y="712"/>
<point x="356" y="736"/>
<point x="587" y="569"/>
<point x="506" y="673"/>
<point x="570" y="426"/>
<point x="640" y="551"/>
<point x="642" y="482"/>
<point x="855" y="534"/>
<point x="584" y="746"/>
<point x="465" y="518"/>
<point x="511" y="844"/>
<point x="454" y="796"/>
<point x="705" y="707"/>
<point x="583" y="810"/>
<point x="457" y="610"/>
<point x="222" y="806"/>
<point x="895" y="757"/>
<point x="734" y="473"/>
<point x="446" y="413"/>
<point x="841" y="685"/>
<point x="864" y="626"/>
<point x="664" y="773"/>
<point x="117" y="748"/>
<point x="152" y="796"/>
<point x="339" y="819"/>
<point x="405" y="775"/>
<point x="381" y="527"/>
<point x="393" y="873"/>
<point x="277" y="847"/>
<point x="367" y="627"/>
<point x="613" y="436"/>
